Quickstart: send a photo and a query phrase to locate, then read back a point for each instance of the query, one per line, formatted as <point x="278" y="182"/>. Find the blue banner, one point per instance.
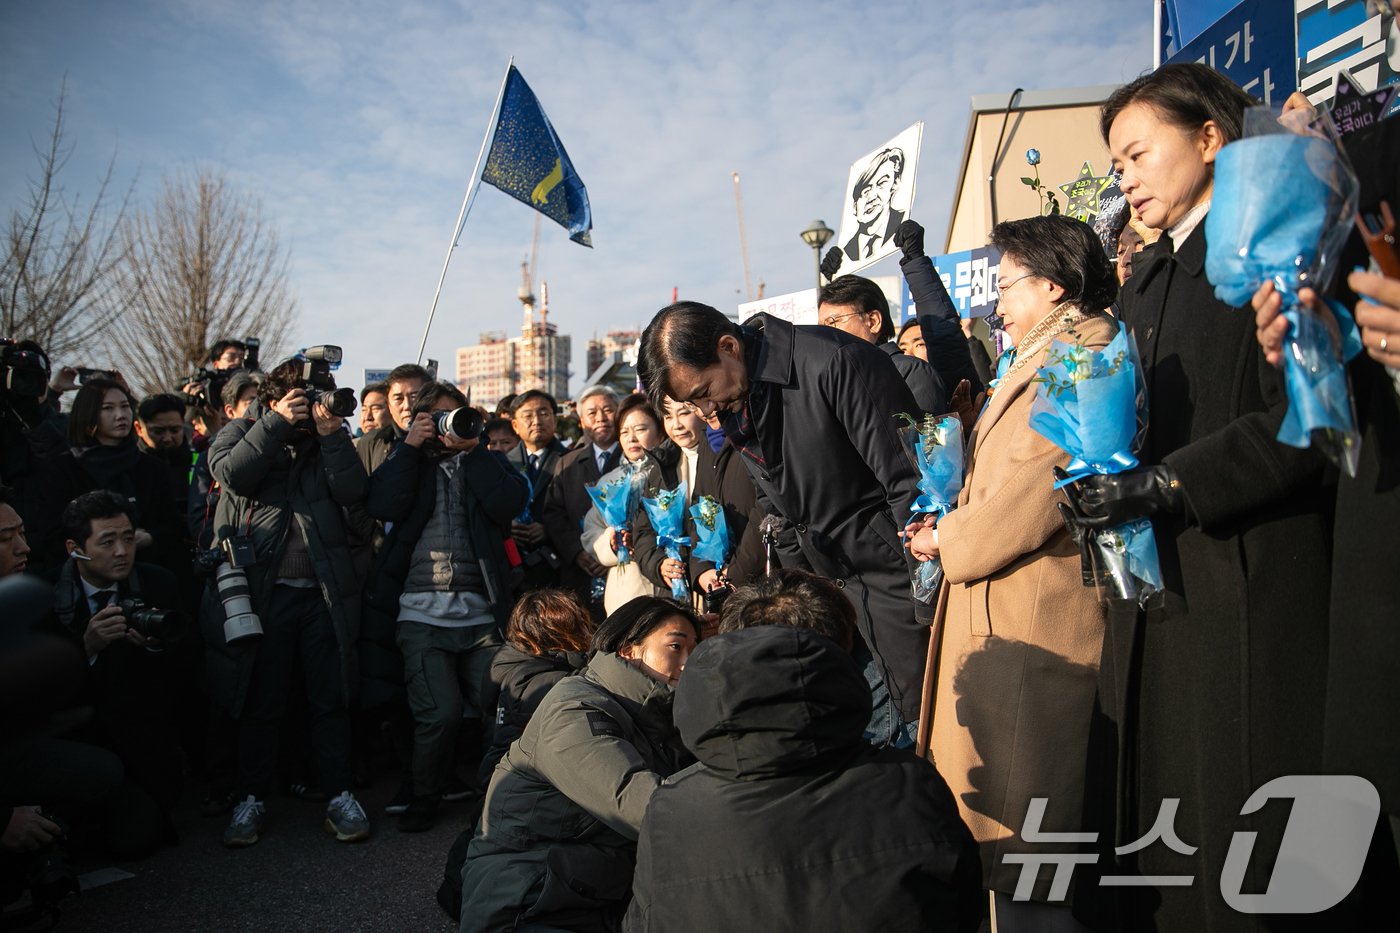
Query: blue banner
<point x="970" y="278"/>
<point x="1252" y="45"/>
<point x="528" y="162"/>
<point x="1344" y="34"/>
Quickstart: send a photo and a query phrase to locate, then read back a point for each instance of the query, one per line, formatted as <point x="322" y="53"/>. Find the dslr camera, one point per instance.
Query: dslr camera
<point x="317" y="365"/>
<point x="460" y="424"/>
<point x="163" y="624"/>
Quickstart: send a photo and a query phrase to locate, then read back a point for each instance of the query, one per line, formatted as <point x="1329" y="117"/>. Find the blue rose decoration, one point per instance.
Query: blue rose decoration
<point x="1032" y="156"/>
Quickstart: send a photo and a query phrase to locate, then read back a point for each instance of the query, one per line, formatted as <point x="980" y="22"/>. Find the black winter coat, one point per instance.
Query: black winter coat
<point x="140" y="478"/>
<point x="273" y="474"/>
<point x="1363" y="691"/>
<point x="1221" y="689"/>
<point x="948" y="349"/>
<point x="403" y="491"/>
<point x="922" y="378"/>
<point x="517" y="684"/>
<point x="791" y="821"/>
<point x="819" y="438"/>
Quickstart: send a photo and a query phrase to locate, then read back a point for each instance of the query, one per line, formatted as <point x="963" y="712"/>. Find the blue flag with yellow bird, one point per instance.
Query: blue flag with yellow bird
<point x="528" y="162"/>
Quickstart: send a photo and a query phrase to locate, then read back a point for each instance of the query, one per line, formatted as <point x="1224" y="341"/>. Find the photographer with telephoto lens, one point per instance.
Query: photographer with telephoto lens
<point x="288" y="471"/>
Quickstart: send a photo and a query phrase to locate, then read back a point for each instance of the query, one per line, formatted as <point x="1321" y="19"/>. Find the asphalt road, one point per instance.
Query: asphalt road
<point x="297" y="877"/>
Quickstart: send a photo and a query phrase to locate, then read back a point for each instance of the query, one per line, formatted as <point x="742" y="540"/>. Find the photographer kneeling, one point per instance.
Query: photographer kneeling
<point x="443" y="574"/>
<point x="125" y="614"/>
<point x="289" y="471"/>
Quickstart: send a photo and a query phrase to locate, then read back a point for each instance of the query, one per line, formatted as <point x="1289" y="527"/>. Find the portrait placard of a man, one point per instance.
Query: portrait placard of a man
<point x="881" y="191"/>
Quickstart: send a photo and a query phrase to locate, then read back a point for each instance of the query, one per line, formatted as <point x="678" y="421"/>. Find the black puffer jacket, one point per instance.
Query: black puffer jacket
<point x="518" y="683"/>
<point x="791" y="821"/>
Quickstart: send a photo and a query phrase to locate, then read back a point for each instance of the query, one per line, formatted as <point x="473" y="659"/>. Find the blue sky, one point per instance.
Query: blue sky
<point x="357" y="124"/>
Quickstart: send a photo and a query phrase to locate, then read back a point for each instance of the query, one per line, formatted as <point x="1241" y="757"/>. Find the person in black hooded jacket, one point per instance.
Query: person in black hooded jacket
<point x="791" y="821"/>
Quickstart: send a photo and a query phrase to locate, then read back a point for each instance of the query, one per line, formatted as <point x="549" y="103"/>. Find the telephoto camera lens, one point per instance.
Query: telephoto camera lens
<point x="240" y="621"/>
<point x="460" y="424"/>
<point x="162" y="624"/>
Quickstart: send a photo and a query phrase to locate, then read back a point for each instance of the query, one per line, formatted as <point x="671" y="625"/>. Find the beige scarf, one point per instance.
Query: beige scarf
<point x="1064" y="317"/>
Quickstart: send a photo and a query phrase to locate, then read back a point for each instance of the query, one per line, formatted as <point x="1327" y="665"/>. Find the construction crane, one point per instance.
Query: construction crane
<point x="528" y="268"/>
<point x="744" y="241"/>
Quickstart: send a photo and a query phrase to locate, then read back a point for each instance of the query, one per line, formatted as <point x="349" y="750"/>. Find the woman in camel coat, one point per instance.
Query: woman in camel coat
<point x="1017" y="634"/>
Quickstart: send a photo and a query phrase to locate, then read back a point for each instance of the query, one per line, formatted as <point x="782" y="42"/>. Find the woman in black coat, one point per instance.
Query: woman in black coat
<point x="1221" y="689"/>
<point x="102" y="454"/>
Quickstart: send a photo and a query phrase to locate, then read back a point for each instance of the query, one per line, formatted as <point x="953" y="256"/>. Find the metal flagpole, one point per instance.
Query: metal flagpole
<point x="1156" y="34"/>
<point x="472" y="188"/>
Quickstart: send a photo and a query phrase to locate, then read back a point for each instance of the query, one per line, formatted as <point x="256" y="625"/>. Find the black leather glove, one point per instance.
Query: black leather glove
<point x="909" y="237"/>
<point x="831" y="262"/>
<point x="1110" y="500"/>
<point x="1081" y="537"/>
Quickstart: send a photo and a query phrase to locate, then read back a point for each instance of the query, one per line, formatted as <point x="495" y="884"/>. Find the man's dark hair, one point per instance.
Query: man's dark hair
<point x="634" y="620"/>
<point x="504" y="406"/>
<point x="237" y="384"/>
<point x="79" y="514"/>
<point x="890" y="154"/>
<point x="530" y="395"/>
<point x="683" y="334"/>
<point x="217" y="350"/>
<point x="634" y="402"/>
<point x="434" y="392"/>
<point x="87" y="406"/>
<point x="1064" y="251"/>
<point x="381" y="387"/>
<point x="8" y="496"/>
<point x="159" y="404"/>
<point x="406" y="371"/>
<point x="796" y="598"/>
<point x="496" y="424"/>
<point x="1186" y="96"/>
<point x="285" y="377"/>
<point x="858" y="292"/>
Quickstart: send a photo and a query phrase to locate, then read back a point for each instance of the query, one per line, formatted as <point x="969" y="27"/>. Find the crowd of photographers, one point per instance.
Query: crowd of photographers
<point x="263" y="585"/>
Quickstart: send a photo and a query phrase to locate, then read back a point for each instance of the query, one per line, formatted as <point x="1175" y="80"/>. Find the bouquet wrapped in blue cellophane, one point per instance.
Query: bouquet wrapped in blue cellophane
<point x="616" y="500"/>
<point x="1092" y="404"/>
<point x="711" y="532"/>
<point x="935" y="446"/>
<point x="667" y="514"/>
<point x="1281" y="211"/>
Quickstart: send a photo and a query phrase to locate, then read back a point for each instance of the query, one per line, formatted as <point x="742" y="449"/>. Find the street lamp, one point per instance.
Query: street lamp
<point x="817" y="235"/>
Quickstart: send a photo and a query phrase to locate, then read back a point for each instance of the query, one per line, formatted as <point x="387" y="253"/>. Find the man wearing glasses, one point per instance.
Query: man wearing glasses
<point x="859" y="307"/>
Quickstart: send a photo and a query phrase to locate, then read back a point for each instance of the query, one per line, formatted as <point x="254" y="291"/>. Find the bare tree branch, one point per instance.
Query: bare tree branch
<point x="56" y="281"/>
<point x="201" y="264"/>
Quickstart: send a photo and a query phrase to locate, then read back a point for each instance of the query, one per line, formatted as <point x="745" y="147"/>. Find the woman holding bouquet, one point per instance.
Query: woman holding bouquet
<point x="1021" y="634"/>
<point x="1221" y="689"/>
<point x="644" y="448"/>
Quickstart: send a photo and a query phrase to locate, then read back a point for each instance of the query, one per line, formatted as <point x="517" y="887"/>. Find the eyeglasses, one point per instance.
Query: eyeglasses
<point x="835" y="319"/>
<point x="1003" y="286"/>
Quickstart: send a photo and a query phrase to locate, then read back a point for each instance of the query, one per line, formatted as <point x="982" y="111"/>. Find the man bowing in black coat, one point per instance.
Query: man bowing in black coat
<point x="811" y="409"/>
